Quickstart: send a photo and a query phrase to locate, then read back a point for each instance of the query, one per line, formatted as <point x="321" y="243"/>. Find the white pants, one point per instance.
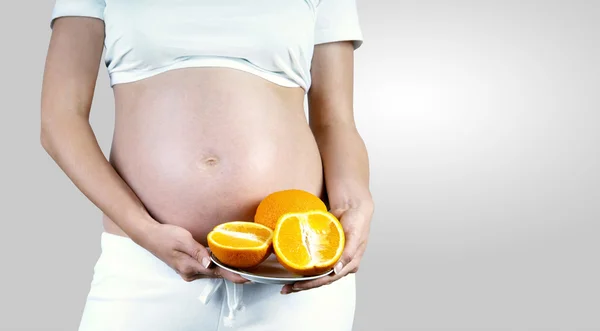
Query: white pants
<point x="133" y="290"/>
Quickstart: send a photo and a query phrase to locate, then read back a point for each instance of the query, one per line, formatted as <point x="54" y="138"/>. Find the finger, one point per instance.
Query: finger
<point x="354" y="234"/>
<point x="199" y="263"/>
<point x="189" y="269"/>
<point x="350" y="249"/>
<point x="195" y="250"/>
<point x="310" y="284"/>
<point x="192" y="278"/>
<point x="230" y="276"/>
<point x="306" y="285"/>
<point x="349" y="268"/>
<point x="354" y="264"/>
<point x="301" y="286"/>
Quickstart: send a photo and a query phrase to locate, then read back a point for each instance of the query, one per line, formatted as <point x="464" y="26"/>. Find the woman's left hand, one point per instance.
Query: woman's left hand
<point x="356" y="223"/>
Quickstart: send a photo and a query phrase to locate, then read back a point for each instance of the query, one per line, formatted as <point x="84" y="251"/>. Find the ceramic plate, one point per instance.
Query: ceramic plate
<point x="268" y="272"/>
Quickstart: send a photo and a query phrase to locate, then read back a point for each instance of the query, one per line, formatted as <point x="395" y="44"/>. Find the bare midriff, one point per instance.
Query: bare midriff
<point x="203" y="146"/>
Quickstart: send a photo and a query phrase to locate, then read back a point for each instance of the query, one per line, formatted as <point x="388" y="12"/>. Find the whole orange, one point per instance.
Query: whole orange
<point x="276" y="204"/>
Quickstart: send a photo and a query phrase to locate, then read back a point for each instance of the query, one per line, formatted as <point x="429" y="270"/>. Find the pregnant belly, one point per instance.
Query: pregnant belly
<point x="201" y="147"/>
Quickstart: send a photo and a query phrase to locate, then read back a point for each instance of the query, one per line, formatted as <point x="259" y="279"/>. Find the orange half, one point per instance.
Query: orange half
<point x="241" y="244"/>
<point x="308" y="243"/>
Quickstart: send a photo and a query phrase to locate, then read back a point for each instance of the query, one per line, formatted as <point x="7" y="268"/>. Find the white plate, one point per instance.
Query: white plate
<point x="268" y="272"/>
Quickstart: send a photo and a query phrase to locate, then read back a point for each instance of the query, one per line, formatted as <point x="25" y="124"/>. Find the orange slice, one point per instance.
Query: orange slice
<point x="308" y="243"/>
<point x="241" y="244"/>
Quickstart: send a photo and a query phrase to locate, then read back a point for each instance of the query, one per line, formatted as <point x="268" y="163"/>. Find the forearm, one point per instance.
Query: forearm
<point x="70" y="141"/>
<point x="70" y="74"/>
<point x="346" y="167"/>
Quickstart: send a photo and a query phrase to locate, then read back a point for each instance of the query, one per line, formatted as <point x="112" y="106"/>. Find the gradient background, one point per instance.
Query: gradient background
<point x="482" y="119"/>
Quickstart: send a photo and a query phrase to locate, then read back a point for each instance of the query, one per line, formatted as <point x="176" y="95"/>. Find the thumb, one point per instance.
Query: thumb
<point x="350" y="249"/>
<point x="198" y="252"/>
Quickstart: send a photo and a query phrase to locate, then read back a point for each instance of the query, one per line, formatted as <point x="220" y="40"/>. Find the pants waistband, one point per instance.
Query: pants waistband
<point x="123" y="254"/>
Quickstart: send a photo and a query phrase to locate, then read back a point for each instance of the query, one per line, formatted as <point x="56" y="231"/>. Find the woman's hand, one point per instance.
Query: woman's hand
<point x="176" y="247"/>
<point x="356" y="223"/>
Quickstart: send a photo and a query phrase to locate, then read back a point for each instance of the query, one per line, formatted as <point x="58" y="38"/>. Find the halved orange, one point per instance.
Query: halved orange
<point x="241" y="244"/>
<point x="308" y="243"/>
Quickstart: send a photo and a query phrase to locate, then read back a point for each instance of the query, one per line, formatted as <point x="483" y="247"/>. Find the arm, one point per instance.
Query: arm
<point x="68" y="87"/>
<point x="345" y="158"/>
<point x="344" y="155"/>
<point x="69" y="81"/>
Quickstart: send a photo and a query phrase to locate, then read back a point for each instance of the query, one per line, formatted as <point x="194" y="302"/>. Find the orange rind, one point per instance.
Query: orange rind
<point x="274" y="205"/>
<point x="241" y="244"/>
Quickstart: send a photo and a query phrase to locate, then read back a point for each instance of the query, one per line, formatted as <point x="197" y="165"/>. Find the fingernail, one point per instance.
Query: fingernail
<point x="338" y="268"/>
<point x="205" y="262"/>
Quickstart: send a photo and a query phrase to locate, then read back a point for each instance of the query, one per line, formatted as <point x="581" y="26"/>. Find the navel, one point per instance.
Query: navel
<point x="211" y="161"/>
<point x="207" y="162"/>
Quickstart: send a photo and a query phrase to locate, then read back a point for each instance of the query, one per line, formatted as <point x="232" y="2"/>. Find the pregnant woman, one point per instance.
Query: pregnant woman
<point x="210" y="119"/>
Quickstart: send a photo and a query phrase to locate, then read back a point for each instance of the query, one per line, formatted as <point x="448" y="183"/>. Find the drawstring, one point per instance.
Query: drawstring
<point x="233" y="295"/>
<point x="211" y="288"/>
<point x="234" y="301"/>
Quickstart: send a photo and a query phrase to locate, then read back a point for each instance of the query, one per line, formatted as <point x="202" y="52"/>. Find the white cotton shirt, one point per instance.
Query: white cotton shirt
<point x="273" y="39"/>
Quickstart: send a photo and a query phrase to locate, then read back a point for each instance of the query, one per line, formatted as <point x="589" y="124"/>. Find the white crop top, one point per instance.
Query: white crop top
<point x="273" y="39"/>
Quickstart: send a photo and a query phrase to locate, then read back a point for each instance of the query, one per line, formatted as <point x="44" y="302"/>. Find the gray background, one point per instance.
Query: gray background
<point x="482" y="119"/>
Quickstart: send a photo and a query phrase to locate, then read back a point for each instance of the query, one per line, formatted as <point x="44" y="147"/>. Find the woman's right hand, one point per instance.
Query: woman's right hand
<point x="176" y="247"/>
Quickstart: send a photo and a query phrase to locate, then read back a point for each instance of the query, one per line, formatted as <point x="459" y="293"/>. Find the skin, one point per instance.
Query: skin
<point x="197" y="147"/>
<point x="345" y="157"/>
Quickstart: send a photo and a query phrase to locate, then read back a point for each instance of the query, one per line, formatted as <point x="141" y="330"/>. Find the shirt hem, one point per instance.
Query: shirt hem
<point x="133" y="76"/>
